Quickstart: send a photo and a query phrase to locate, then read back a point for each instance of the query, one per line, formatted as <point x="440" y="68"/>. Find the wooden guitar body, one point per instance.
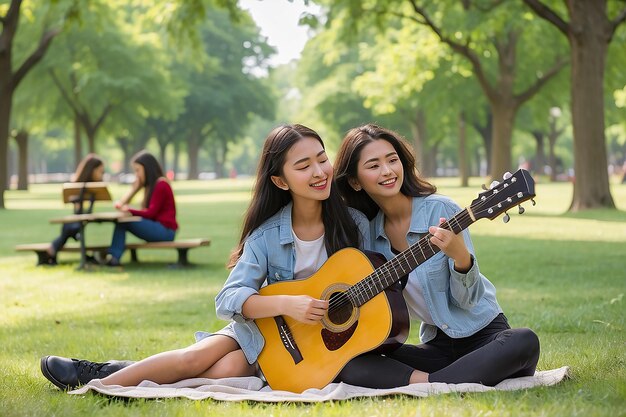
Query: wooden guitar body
<point x="298" y="356"/>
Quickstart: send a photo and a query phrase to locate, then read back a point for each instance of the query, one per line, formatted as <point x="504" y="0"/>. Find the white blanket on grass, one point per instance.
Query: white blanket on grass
<point x="253" y="389"/>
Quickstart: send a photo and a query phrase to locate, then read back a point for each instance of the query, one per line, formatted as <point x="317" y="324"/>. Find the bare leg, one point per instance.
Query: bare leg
<point x="233" y="364"/>
<point x="175" y="365"/>
<point x="418" y="377"/>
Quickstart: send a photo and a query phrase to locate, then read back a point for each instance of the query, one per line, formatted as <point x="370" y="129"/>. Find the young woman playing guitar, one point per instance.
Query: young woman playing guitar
<point x="295" y="221"/>
<point x="465" y="335"/>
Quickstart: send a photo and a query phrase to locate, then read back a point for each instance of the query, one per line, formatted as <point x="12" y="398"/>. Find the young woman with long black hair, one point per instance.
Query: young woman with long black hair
<point x="157" y="212"/>
<point x="465" y="335"/>
<point x="90" y="169"/>
<point x="295" y="221"/>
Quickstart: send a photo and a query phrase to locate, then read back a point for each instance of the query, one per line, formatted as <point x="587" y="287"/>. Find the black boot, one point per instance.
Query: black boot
<point x="68" y="373"/>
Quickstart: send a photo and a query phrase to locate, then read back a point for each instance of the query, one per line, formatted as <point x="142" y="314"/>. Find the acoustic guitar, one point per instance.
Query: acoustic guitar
<point x="366" y="310"/>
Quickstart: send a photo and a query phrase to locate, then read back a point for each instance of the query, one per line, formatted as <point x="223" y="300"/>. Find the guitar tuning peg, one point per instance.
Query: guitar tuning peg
<point x="484" y="187"/>
<point x="506" y="217"/>
<point x="507" y="175"/>
<point x="494" y="184"/>
<point x="533" y="201"/>
<point x="521" y="209"/>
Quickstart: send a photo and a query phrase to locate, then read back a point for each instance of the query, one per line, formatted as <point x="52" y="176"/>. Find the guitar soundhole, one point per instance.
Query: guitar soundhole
<point x="341" y="313"/>
<point x="339" y="308"/>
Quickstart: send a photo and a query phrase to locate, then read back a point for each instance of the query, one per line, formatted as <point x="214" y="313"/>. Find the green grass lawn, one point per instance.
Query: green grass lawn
<point x="563" y="275"/>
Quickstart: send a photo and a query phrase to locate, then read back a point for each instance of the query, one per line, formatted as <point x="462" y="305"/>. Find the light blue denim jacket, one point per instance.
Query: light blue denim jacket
<point x="268" y="256"/>
<point x="460" y="304"/>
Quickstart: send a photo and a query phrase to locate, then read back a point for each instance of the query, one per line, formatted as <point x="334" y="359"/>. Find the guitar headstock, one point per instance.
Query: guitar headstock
<point x="511" y="192"/>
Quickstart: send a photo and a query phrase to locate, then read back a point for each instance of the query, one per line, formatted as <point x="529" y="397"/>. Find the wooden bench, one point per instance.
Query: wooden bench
<point x="182" y="246"/>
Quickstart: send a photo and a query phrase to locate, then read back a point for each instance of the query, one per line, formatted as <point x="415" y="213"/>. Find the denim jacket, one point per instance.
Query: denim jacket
<point x="460" y="304"/>
<point x="268" y="256"/>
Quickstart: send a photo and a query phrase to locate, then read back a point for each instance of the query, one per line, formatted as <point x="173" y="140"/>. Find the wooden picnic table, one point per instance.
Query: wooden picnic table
<point x="98" y="217"/>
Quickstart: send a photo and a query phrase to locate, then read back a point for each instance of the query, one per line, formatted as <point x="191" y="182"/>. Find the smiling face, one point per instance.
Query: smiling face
<point x="307" y="172"/>
<point x="379" y="170"/>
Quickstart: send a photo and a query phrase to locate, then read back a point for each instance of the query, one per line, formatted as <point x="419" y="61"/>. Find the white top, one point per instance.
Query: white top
<point x="415" y="302"/>
<point x="310" y="256"/>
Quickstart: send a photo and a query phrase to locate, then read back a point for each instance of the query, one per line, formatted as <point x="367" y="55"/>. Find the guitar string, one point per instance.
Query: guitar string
<point x="360" y="288"/>
<point x="342" y="300"/>
<point x="384" y="270"/>
<point x="401" y="261"/>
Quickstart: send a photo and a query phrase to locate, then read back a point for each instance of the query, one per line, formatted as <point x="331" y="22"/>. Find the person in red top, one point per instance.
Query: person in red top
<point x="158" y="209"/>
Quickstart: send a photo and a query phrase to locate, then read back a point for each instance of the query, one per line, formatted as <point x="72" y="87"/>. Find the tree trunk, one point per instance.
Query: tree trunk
<point x="552" y="158"/>
<point x="9" y="80"/>
<point x="176" y="156"/>
<point x="553" y="134"/>
<point x="478" y="160"/>
<point x="588" y="36"/>
<point x="463" y="172"/>
<point x="217" y="158"/>
<point x="124" y="143"/>
<point x="11" y="166"/>
<point x="91" y="138"/>
<point x="418" y="130"/>
<point x="162" y="149"/>
<point x="78" y="143"/>
<point x="485" y="132"/>
<point x="503" y="119"/>
<point x="193" y="148"/>
<point x="21" y="138"/>
<point x="539" y="163"/>
<point x="7" y="87"/>
<point x="6" y="96"/>
<point x="430" y="161"/>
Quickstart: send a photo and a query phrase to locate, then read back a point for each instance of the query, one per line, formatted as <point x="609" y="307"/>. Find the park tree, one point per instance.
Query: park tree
<point x="224" y="93"/>
<point x="395" y="82"/>
<point x="412" y="70"/>
<point x="27" y="119"/>
<point x="589" y="31"/>
<point x="545" y="120"/>
<point x="13" y="67"/>
<point x="325" y="77"/>
<point x="33" y="108"/>
<point x="106" y="68"/>
<point x="486" y="36"/>
<point x="178" y="18"/>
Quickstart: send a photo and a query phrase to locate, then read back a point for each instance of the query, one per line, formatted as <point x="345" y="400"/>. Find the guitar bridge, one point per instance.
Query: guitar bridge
<point x="287" y="338"/>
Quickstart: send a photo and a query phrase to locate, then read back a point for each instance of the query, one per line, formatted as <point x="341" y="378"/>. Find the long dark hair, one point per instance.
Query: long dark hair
<point x="84" y="171"/>
<point x="340" y="230"/>
<point x="152" y="172"/>
<point x="350" y="154"/>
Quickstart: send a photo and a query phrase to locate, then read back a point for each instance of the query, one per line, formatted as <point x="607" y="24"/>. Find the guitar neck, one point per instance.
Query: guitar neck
<point x="406" y="261"/>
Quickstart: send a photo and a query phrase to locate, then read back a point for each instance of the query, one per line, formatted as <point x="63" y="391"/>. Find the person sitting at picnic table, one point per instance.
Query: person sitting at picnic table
<point x="90" y="169"/>
<point x="157" y="212"/>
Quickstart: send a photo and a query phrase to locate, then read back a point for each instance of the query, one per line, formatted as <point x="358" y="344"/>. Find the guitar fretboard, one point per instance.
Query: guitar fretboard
<point x="406" y="261"/>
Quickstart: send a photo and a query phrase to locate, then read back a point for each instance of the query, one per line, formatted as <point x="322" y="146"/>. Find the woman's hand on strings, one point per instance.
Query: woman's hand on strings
<point x="452" y="245"/>
<point x="306" y="309"/>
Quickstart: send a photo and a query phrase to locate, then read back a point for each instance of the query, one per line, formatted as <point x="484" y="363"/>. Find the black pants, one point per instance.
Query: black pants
<point x="489" y="356"/>
<point x="69" y="230"/>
